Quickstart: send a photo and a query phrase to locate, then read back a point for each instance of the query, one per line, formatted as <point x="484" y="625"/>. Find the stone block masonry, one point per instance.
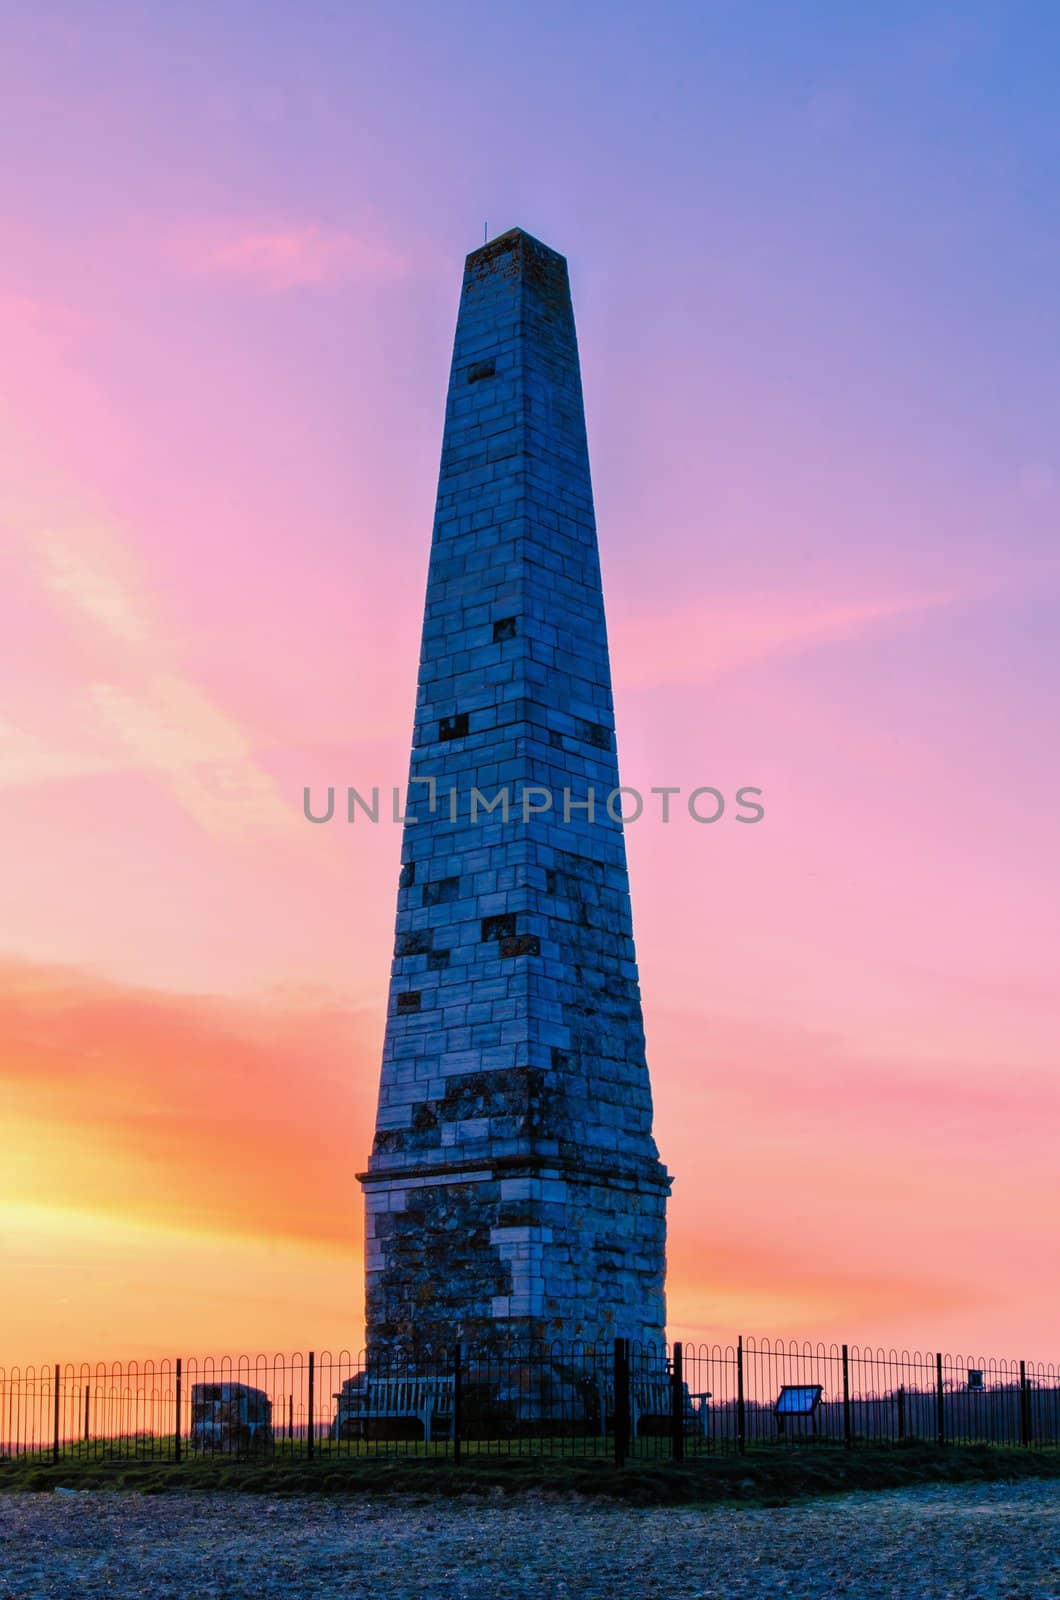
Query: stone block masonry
<point x="514" y="1190"/>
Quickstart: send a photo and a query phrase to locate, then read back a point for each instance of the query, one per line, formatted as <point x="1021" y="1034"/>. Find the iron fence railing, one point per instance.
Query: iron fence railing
<point x="620" y="1401"/>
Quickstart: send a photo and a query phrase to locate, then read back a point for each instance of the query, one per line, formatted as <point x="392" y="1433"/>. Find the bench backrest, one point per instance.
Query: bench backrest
<point x="652" y="1396"/>
<point x="408" y="1396"/>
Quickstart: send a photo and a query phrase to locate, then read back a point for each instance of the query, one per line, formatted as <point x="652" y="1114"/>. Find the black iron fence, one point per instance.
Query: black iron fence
<point x="621" y="1401"/>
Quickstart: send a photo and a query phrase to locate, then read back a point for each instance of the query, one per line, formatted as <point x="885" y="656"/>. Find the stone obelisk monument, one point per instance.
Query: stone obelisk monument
<point x="514" y="1191"/>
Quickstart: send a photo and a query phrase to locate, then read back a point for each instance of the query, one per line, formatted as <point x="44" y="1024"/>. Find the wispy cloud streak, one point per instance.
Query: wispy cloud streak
<point x="279" y="255"/>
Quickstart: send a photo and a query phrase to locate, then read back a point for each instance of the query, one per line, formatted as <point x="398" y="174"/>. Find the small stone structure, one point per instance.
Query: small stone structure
<point x="514" y="1190"/>
<point x="230" y="1416"/>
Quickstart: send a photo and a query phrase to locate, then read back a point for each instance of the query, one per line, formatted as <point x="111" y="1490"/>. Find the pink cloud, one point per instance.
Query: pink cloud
<point x="30" y="320"/>
<point x="709" y="642"/>
<point x="283" y="254"/>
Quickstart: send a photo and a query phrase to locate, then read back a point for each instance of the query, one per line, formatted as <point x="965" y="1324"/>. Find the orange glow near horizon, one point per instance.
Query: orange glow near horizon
<point x="192" y="1160"/>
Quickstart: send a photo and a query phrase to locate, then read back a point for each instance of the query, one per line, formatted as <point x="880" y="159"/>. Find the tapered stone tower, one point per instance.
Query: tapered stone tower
<point x="514" y="1189"/>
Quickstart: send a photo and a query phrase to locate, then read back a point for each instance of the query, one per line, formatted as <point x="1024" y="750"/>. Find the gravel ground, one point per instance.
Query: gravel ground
<point x="980" y="1542"/>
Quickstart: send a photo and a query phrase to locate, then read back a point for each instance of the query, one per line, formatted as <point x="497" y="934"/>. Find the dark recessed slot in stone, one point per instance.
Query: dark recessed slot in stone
<point x="437" y="961"/>
<point x="453" y="727"/>
<point x="389" y="1142"/>
<point x="595" y="733"/>
<point x="560" y="1060"/>
<point x="414" y="944"/>
<point x="504" y="629"/>
<point x="481" y="369"/>
<point x="502" y="927"/>
<point x="524" y="944"/>
<point x="409" y="1001"/>
<point x="408" y="875"/>
<point x="441" y="891"/>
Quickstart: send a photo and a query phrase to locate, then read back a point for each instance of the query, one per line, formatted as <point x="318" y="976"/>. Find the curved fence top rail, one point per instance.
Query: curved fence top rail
<point x="753" y="1352"/>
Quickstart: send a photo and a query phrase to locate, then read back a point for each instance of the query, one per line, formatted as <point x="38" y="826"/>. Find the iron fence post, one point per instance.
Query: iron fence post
<point x="290" y="1417"/>
<point x="177" y="1386"/>
<point x="55" y="1418"/>
<point x="1025" y="1407"/>
<point x="312" y="1399"/>
<point x="848" y="1432"/>
<point x="901" y="1411"/>
<point x="458" y="1394"/>
<point x="88" y="1392"/>
<point x="621" y="1391"/>
<point x="677" y="1403"/>
<point x="940" y="1399"/>
<point x="741" y="1416"/>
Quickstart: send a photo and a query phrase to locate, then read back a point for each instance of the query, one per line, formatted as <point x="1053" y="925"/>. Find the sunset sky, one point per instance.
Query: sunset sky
<point x="814" y="253"/>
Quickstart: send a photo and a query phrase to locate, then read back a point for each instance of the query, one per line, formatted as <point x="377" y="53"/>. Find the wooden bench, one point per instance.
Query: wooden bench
<point x="363" y="1400"/>
<point x="652" y="1397"/>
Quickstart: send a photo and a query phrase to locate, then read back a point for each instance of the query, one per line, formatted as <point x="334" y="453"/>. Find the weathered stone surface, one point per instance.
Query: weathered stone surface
<point x="518" y="1075"/>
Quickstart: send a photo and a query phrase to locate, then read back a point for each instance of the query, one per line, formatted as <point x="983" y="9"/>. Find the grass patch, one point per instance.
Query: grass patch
<point x="761" y="1477"/>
